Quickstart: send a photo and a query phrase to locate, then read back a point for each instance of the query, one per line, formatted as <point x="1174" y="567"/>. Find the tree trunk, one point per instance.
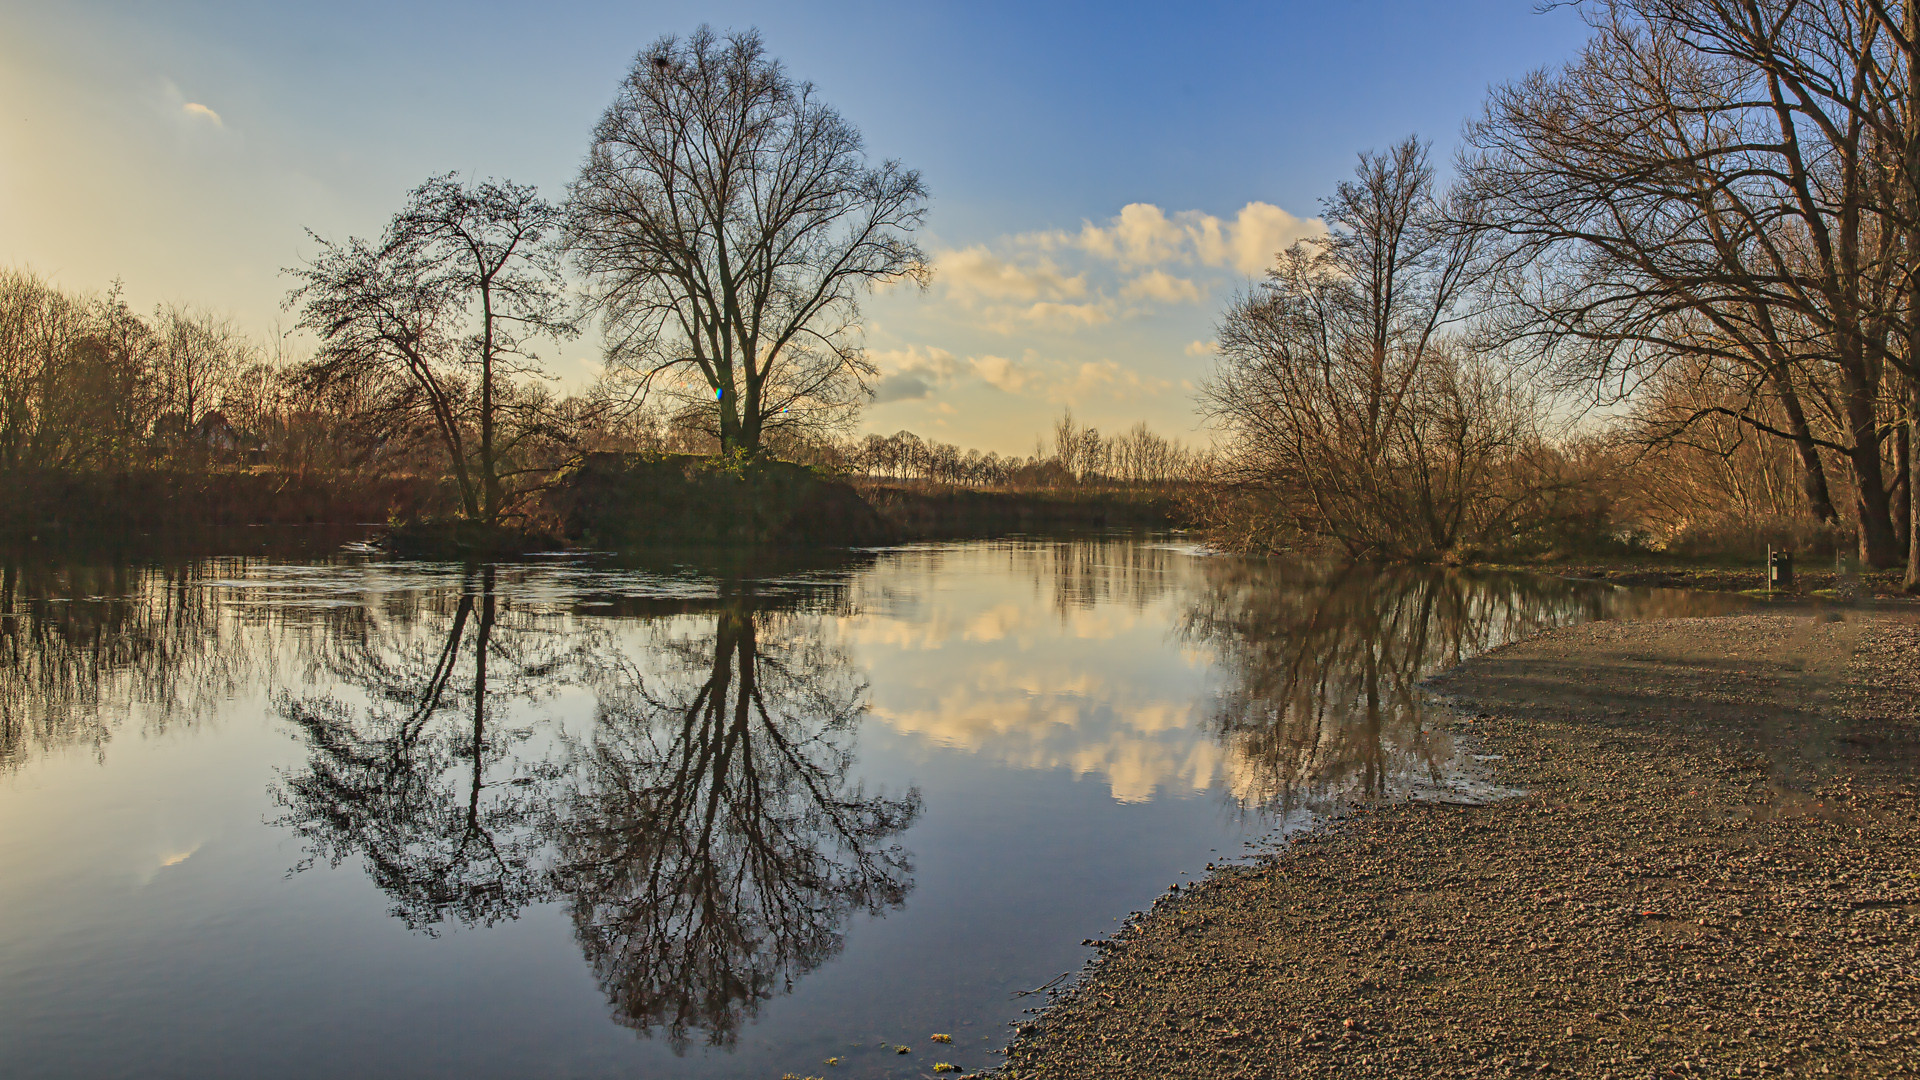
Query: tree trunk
<point x="1902" y="499"/>
<point x="490" y="493"/>
<point x="1910" y="20"/>
<point x="1912" y="582"/>
<point x="729" y="407"/>
<point x="1872" y="508"/>
<point x="1813" y="473"/>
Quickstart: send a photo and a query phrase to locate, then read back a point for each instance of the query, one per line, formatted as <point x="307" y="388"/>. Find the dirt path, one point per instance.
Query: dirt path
<point x="1714" y="873"/>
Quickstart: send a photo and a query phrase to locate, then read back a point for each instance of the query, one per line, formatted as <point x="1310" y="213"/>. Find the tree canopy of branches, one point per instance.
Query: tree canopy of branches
<point x="729" y="221"/>
<point x="87" y="385"/>
<point x="1348" y="395"/>
<point x="438" y="315"/>
<point x="1729" y="179"/>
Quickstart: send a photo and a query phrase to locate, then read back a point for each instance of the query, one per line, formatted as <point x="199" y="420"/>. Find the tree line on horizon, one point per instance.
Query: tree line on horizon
<point x="1665" y="299"/>
<point x="89" y="385"/>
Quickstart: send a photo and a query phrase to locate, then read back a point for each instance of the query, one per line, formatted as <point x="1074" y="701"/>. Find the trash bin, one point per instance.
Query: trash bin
<point x="1779" y="569"/>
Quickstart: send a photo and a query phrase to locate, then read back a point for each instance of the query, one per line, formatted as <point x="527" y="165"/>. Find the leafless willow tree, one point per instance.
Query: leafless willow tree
<point x="440" y="314"/>
<point x="729" y="221"/>
<point x="1732" y="179"/>
<point x="1349" y="395"/>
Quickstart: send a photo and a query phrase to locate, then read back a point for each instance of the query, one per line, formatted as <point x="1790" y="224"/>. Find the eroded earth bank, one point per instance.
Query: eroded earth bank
<point x="1713" y="873"/>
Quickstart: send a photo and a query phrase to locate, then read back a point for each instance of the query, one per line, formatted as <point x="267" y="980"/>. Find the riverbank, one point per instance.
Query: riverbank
<point x="922" y="511"/>
<point x="1712" y="873"/>
<point x="179" y="505"/>
<point x="1813" y="578"/>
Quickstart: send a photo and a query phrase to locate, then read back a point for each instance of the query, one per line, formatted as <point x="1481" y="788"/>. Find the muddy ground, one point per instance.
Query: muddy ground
<point x="1712" y="873"/>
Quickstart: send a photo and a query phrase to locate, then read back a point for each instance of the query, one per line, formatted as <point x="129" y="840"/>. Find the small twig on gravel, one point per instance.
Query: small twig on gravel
<point x="1048" y="985"/>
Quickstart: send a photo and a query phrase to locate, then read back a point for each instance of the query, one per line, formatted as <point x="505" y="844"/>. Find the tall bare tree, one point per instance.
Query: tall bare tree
<point x="1348" y="396"/>
<point x="459" y="285"/>
<point x="730" y="221"/>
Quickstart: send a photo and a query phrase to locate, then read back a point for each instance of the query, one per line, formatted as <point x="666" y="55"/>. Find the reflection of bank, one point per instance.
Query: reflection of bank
<point x="707" y="837"/>
<point x="83" y="645"/>
<point x="1324" y="663"/>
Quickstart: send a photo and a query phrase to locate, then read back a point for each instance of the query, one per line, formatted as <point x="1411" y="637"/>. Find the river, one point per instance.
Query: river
<point x="586" y="816"/>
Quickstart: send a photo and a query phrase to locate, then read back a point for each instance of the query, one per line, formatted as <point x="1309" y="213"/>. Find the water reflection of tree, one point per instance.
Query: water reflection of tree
<point x="714" y="846"/>
<point x="1324" y="665"/>
<point x="1087" y="573"/>
<point x="426" y="781"/>
<point x="707" y="837"/>
<point x="83" y="645"/>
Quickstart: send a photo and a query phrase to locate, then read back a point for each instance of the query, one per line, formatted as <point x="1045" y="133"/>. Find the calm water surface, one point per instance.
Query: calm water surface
<point x="352" y="817"/>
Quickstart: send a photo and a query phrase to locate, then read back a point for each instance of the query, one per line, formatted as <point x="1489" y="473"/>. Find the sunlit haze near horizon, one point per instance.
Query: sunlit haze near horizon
<point x="1104" y="177"/>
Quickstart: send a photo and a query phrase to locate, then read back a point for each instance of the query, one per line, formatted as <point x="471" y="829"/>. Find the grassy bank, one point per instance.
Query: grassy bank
<point x="941" y="512"/>
<point x="183" y="503"/>
<point x="1712" y="872"/>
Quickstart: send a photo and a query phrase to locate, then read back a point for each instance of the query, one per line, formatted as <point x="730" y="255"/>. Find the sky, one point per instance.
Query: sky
<point x="1104" y="177"/>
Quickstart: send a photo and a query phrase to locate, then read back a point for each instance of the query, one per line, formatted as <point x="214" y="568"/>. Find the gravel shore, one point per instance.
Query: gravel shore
<point x="1712" y="873"/>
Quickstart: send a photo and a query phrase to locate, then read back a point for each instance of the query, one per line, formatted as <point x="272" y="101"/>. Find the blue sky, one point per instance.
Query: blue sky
<point x="183" y="147"/>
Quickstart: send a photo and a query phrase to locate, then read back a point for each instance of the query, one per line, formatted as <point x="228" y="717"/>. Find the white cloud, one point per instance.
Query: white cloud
<point x="1102" y="378"/>
<point x="918" y="372"/>
<point x="200" y="112"/>
<point x="1164" y="287"/>
<point x="975" y="273"/>
<point x="1260" y="232"/>
<point x="913" y="372"/>
<point x="1056" y="281"/>
<point x="1140" y="236"/>
<point x="1002" y="373"/>
<point x="1056" y="316"/>
<point x="1144" y="235"/>
<point x="1202" y="348"/>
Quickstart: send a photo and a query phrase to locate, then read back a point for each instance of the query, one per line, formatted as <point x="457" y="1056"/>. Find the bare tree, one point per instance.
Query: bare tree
<point x="729" y="221"/>
<point x="1349" y="396"/>
<point x="449" y="300"/>
<point x="75" y="379"/>
<point x="197" y="357"/>
<point x="1719" y="178"/>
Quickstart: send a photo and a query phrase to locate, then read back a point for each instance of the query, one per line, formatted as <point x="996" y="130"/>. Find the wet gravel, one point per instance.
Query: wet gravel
<point x="1712" y="873"/>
